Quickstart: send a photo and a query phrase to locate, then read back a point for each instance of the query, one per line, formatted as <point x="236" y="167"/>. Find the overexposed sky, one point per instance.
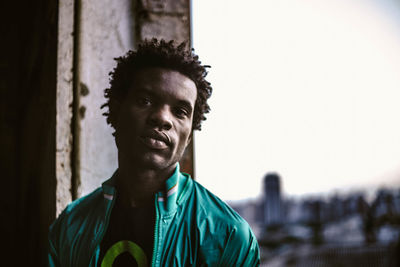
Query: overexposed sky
<point x="306" y="88"/>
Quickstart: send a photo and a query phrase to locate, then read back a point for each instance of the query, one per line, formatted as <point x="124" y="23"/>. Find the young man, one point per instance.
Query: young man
<point x="148" y="212"/>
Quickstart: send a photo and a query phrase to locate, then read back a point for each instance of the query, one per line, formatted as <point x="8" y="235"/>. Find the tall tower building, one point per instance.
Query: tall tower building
<point x="272" y="199"/>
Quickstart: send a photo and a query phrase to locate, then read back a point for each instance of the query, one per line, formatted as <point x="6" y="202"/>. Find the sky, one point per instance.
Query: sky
<point x="309" y="89"/>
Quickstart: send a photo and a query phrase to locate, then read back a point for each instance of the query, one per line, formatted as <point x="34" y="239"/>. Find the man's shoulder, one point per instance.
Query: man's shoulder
<point x="77" y="226"/>
<point x="225" y="237"/>
<point x="79" y="210"/>
<point x="85" y="202"/>
<point x="213" y="208"/>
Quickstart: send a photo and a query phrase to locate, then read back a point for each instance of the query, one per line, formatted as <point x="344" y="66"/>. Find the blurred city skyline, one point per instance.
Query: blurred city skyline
<point x="340" y="230"/>
<point x="307" y="89"/>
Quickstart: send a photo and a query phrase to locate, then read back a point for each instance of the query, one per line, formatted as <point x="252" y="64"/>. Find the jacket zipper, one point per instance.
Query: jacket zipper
<point x="155" y="245"/>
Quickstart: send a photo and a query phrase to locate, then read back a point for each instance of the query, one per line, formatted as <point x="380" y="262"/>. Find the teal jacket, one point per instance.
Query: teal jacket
<point x="193" y="228"/>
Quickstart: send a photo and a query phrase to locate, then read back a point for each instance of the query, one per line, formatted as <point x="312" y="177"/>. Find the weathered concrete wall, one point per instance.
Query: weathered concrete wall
<point x="65" y="50"/>
<point x="168" y="19"/>
<point x="106" y="32"/>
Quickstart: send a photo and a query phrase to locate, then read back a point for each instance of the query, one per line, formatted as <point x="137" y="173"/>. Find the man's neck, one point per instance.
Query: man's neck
<point x="137" y="186"/>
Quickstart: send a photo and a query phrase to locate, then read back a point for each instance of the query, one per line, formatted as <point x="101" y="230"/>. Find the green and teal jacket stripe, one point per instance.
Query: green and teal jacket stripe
<point x="193" y="228"/>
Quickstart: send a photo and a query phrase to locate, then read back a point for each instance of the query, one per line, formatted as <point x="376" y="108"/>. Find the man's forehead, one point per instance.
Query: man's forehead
<point x="162" y="80"/>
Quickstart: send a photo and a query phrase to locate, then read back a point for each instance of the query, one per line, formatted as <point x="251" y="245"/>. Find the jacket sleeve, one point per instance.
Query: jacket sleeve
<point x="241" y="248"/>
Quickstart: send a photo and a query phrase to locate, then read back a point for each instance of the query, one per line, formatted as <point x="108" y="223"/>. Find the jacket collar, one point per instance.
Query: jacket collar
<point x="166" y="199"/>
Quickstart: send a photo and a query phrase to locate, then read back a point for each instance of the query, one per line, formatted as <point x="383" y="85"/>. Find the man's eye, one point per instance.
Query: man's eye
<point x="181" y="112"/>
<point x="143" y="101"/>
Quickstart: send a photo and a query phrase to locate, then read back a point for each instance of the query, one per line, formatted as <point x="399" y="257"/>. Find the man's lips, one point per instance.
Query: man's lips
<point x="156" y="140"/>
<point x="154" y="143"/>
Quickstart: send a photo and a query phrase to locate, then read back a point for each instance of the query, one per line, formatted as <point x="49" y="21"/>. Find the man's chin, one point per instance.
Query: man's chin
<point x="154" y="162"/>
<point x="151" y="160"/>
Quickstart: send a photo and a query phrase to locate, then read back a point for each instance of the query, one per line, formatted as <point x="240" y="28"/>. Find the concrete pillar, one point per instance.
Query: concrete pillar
<point x="167" y="19"/>
<point x="64" y="104"/>
<point x="106" y="32"/>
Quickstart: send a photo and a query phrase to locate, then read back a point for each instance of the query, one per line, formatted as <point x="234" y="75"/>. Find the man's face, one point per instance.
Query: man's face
<point x="155" y="120"/>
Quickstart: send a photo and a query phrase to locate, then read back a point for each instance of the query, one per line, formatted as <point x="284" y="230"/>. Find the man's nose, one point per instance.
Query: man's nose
<point x="160" y="117"/>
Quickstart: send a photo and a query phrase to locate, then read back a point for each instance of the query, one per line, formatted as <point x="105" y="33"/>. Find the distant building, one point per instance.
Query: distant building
<point x="384" y="203"/>
<point x="272" y="201"/>
<point x="294" y="211"/>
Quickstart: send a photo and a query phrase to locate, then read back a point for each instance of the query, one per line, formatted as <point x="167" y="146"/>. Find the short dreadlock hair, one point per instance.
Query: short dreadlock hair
<point x="162" y="54"/>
